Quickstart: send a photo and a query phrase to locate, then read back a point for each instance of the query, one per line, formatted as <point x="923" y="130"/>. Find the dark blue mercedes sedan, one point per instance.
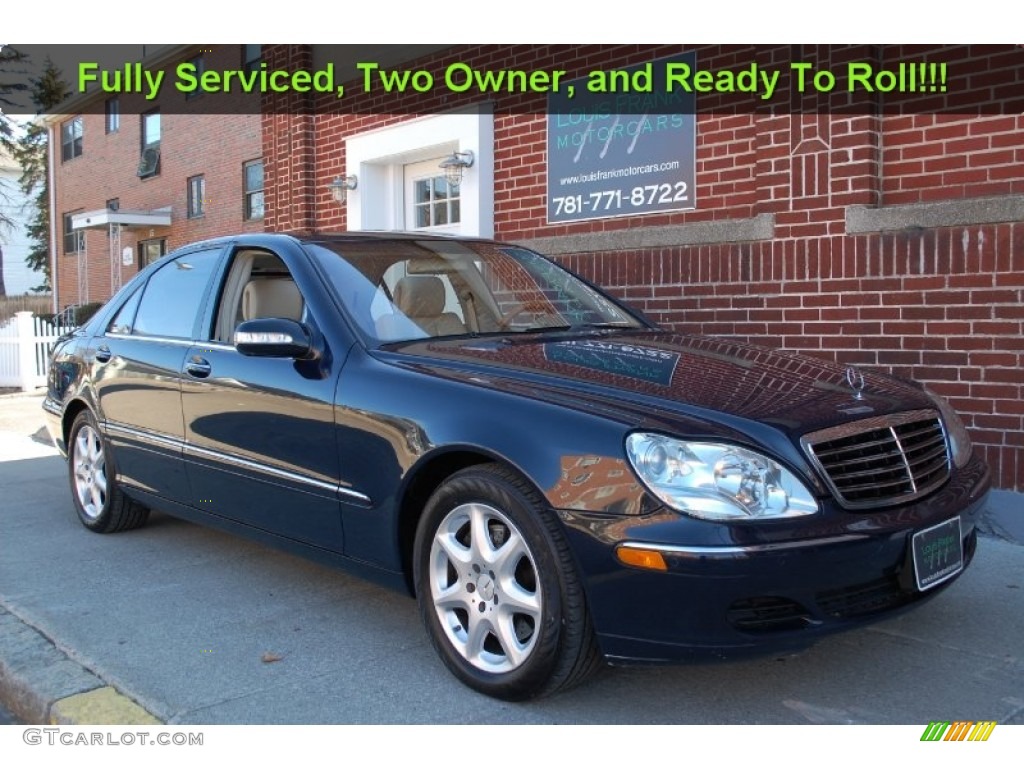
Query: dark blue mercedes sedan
<point x="554" y="478"/>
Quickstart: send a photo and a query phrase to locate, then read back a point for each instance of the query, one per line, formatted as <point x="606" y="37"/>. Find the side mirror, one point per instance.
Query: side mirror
<point x="274" y="337"/>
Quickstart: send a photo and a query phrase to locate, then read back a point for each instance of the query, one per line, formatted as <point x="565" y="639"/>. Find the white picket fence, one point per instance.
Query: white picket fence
<point x="25" y="343"/>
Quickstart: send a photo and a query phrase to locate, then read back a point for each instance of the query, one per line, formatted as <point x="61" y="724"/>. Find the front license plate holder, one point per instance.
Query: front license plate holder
<point x="938" y="554"/>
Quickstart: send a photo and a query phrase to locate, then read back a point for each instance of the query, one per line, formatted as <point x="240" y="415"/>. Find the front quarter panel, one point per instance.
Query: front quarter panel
<point x="392" y="420"/>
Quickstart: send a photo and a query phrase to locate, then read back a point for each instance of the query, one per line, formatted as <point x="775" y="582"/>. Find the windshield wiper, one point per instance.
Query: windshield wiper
<point x="595" y="328"/>
<point x="590" y="329"/>
<point x="617" y="324"/>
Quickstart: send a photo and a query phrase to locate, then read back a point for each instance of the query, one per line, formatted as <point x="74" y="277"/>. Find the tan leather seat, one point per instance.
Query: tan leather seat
<point x="271" y="297"/>
<point x="421" y="298"/>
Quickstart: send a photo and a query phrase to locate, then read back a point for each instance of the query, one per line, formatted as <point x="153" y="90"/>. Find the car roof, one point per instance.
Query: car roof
<point x="325" y="238"/>
<point x="374" y="235"/>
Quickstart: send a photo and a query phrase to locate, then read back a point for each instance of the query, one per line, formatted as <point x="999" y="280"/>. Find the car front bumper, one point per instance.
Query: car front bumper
<point x="721" y="597"/>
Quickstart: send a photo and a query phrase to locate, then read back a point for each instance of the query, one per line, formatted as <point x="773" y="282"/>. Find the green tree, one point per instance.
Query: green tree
<point x="48" y="90"/>
<point x="12" y="82"/>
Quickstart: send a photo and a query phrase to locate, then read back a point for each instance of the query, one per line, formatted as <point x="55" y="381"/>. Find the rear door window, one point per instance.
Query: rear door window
<point x="174" y="296"/>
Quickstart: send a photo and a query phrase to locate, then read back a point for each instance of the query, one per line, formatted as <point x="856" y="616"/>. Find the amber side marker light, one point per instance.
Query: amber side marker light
<point x="642" y="558"/>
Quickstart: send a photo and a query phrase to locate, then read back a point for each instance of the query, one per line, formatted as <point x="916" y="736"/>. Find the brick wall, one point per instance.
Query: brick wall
<point x="288" y="148"/>
<point x="945" y="307"/>
<point x="191" y="144"/>
<point x="943" y="304"/>
<point x="935" y="157"/>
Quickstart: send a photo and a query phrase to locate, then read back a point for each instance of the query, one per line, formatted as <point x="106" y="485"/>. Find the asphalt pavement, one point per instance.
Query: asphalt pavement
<point x="181" y="624"/>
<point x="6" y="718"/>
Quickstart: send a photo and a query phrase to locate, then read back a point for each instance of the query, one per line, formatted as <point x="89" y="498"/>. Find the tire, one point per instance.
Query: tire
<point x="498" y="590"/>
<point x="101" y="504"/>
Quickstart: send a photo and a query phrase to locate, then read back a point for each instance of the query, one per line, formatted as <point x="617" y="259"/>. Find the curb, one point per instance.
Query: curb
<point x="101" y="706"/>
<point x="40" y="684"/>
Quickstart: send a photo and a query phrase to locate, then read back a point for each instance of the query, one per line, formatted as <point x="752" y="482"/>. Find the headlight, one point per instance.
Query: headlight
<point x="959" y="440"/>
<point x="715" y="481"/>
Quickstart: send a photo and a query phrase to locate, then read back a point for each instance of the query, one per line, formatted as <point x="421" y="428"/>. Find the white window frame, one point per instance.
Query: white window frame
<point x="429" y="171"/>
<point x="378" y="158"/>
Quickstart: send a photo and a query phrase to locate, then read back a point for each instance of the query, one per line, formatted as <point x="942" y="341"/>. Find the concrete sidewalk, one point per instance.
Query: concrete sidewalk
<point x="1004" y="517"/>
<point x="176" y="623"/>
<point x="22" y="434"/>
<point x="39" y="682"/>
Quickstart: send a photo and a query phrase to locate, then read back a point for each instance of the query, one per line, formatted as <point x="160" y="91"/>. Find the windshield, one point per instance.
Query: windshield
<point x="403" y="290"/>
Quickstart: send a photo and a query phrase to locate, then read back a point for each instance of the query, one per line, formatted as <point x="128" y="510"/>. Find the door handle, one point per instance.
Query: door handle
<point x="198" y="367"/>
<point x="103" y="354"/>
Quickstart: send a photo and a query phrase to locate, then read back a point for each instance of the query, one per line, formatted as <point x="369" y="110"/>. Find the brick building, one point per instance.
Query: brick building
<point x="134" y="178"/>
<point x="889" y="240"/>
<point x="887" y="237"/>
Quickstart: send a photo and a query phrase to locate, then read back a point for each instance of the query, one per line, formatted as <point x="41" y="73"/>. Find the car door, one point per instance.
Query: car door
<point x="137" y="364"/>
<point x="259" y="432"/>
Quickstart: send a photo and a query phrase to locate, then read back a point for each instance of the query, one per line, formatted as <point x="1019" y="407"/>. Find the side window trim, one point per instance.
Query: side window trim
<point x="200" y="331"/>
<point x="230" y="277"/>
<point x="218" y="320"/>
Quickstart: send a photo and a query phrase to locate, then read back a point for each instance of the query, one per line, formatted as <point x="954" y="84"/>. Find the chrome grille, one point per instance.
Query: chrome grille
<point x="883" y="460"/>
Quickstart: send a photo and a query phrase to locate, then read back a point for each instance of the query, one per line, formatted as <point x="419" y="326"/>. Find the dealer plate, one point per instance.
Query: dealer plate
<point x="938" y="554"/>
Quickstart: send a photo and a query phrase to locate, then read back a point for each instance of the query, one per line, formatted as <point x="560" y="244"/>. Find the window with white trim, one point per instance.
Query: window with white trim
<point x="389" y="162"/>
<point x="431" y="202"/>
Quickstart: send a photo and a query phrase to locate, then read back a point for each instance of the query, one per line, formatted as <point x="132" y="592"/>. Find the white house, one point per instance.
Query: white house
<point x="18" y="278"/>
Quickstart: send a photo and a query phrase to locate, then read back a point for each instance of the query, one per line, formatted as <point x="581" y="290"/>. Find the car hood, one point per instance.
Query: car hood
<point x="703" y="377"/>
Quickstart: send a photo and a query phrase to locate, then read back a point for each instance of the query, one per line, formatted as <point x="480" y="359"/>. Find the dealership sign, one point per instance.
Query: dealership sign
<point x="621" y="143"/>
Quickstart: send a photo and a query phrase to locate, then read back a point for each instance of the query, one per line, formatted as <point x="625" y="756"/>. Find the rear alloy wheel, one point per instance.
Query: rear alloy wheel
<point x="89" y="466"/>
<point x="99" y="501"/>
<point x="498" y="592"/>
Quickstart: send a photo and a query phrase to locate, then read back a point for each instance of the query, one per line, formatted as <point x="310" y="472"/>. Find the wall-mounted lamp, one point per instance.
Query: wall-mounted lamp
<point x="340" y="186"/>
<point x="454" y="166"/>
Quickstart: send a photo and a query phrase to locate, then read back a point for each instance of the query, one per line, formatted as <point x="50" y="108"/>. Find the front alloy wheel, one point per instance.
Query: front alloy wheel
<point x="483" y="583"/>
<point x="498" y="589"/>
